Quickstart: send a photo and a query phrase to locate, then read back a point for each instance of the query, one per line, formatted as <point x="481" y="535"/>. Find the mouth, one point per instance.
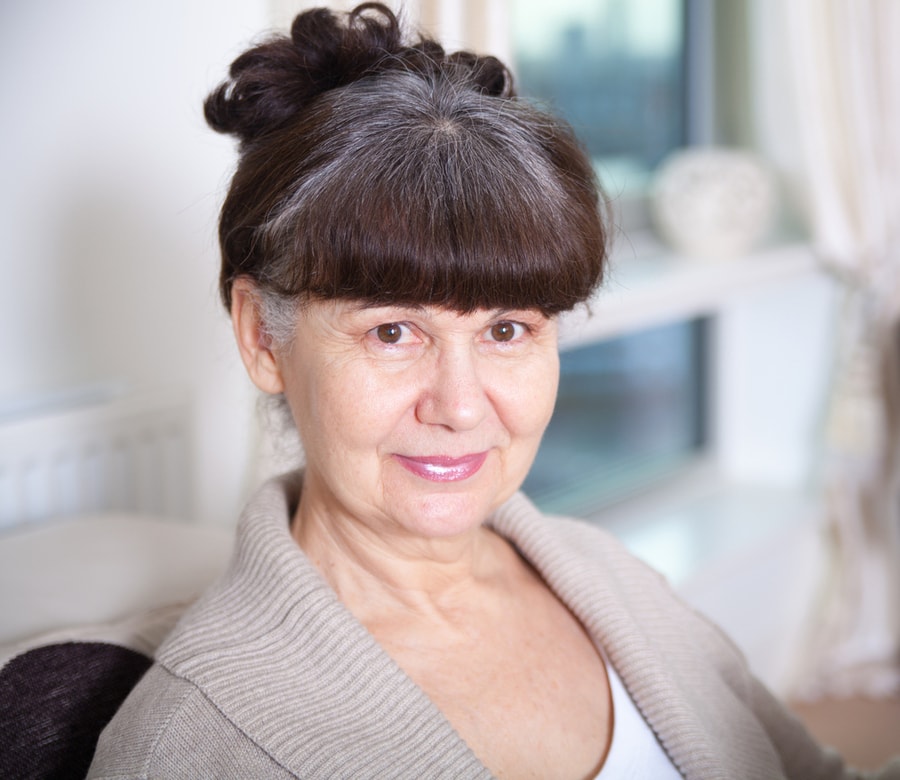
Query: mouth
<point x="440" y="468"/>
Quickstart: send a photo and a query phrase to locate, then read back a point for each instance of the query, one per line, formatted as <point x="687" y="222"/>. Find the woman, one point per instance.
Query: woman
<point x="398" y="239"/>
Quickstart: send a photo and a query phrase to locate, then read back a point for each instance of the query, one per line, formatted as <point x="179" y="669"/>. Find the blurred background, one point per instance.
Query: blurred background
<point x="728" y="403"/>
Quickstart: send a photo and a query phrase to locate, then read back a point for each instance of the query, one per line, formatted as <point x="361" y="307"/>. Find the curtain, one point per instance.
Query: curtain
<point x="844" y="60"/>
<point x="480" y="25"/>
<point x="483" y="26"/>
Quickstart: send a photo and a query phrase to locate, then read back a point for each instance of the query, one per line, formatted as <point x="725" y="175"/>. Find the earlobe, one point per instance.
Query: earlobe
<point x="253" y="343"/>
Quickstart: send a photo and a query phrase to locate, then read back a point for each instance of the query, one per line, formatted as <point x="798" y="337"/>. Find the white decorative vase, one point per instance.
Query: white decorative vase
<point x="712" y="203"/>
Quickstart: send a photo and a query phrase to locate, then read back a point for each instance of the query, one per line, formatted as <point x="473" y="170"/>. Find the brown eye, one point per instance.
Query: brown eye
<point x="389" y="333"/>
<point x="503" y="331"/>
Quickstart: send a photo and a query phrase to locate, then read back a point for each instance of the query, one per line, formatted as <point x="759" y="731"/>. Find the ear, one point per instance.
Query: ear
<point x="253" y="343"/>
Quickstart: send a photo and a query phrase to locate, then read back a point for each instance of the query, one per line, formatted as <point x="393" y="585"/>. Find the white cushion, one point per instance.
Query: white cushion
<point x="102" y="569"/>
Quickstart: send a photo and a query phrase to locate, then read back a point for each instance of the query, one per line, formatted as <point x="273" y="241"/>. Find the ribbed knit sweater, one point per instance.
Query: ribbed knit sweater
<point x="270" y="676"/>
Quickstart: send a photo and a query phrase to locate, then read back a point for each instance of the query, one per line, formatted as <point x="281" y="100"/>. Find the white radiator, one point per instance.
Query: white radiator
<point x="119" y="455"/>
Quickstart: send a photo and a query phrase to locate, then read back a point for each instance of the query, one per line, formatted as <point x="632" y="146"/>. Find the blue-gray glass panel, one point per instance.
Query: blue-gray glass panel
<point x="616" y="70"/>
<point x="629" y="411"/>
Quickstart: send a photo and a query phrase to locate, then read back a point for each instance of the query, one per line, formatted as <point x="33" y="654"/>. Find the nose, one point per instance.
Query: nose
<point x="454" y="395"/>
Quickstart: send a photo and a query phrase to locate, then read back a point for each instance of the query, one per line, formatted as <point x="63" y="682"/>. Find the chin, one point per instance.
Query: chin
<point x="436" y="510"/>
<point x="443" y="515"/>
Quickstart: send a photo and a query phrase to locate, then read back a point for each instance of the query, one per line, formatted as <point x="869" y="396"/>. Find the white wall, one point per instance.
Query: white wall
<point x="108" y="198"/>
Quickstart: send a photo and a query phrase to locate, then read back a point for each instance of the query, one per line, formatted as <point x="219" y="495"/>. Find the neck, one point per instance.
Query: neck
<point x="372" y="570"/>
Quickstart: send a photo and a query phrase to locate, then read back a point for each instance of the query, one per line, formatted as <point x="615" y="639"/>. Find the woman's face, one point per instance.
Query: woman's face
<point x="418" y="420"/>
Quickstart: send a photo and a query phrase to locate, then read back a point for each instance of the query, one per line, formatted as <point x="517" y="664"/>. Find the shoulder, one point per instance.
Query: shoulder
<point x="168" y="728"/>
<point x="133" y="737"/>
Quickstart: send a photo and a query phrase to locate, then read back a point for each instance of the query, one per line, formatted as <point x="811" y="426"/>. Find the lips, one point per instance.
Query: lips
<point x="440" y="468"/>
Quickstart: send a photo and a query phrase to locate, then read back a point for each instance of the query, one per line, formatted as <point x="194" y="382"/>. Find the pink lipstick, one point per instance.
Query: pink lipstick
<point x="440" y="468"/>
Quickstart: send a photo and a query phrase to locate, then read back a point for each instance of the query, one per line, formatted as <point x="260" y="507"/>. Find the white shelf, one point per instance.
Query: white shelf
<point x="647" y="285"/>
<point x="700" y="521"/>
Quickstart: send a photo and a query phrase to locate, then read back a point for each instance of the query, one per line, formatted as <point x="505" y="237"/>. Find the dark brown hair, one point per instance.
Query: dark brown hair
<point x="395" y="173"/>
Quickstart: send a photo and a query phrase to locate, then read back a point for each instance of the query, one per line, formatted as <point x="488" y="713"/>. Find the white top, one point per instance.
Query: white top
<point x="635" y="751"/>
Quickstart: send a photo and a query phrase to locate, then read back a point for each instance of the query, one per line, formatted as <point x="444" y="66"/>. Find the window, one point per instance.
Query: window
<point x="616" y="70"/>
<point x="630" y="410"/>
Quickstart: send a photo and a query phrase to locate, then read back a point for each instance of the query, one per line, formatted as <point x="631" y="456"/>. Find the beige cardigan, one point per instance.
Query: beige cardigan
<point x="269" y="675"/>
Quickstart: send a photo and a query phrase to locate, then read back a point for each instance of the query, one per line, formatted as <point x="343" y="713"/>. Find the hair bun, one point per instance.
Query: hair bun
<point x="486" y="74"/>
<point x="270" y="83"/>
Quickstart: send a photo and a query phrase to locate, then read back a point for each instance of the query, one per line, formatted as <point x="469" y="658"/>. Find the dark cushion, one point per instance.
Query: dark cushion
<point x="54" y="702"/>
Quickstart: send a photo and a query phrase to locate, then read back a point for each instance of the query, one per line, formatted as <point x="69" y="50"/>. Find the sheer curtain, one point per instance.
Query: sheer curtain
<point x="480" y="25"/>
<point x="843" y="61"/>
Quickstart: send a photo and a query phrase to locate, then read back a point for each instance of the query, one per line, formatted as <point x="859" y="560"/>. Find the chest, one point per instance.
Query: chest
<point x="530" y="697"/>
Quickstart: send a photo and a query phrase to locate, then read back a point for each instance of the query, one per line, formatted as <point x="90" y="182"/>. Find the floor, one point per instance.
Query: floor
<point x="866" y="732"/>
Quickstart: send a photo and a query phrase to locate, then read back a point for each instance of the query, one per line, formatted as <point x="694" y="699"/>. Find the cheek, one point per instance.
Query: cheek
<point x="350" y="408"/>
<point x="528" y="398"/>
<point x="549" y="390"/>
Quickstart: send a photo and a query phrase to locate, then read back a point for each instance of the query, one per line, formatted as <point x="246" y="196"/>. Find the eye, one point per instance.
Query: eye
<point x="390" y="332"/>
<point x="505" y="330"/>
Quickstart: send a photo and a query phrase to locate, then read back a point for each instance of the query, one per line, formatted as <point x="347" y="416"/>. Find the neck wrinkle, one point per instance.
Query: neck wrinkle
<point x="428" y="577"/>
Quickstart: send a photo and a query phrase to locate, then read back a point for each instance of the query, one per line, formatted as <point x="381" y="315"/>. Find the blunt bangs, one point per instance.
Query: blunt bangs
<point x="423" y="193"/>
